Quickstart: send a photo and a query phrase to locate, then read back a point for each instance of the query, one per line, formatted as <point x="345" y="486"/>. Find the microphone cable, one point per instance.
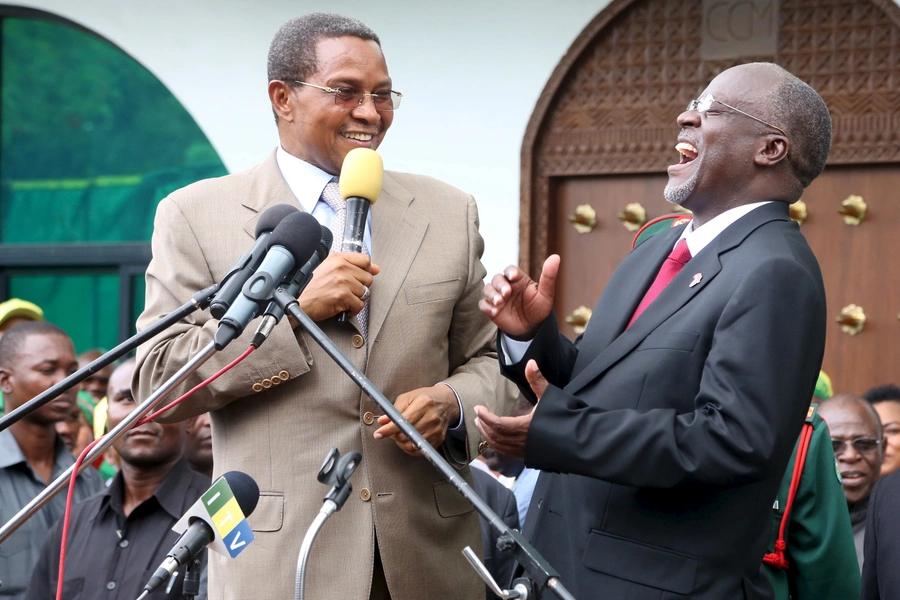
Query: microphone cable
<point x="70" y="494"/>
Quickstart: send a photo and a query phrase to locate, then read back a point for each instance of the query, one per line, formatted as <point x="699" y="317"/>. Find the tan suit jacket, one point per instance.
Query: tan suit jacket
<point x="424" y="327"/>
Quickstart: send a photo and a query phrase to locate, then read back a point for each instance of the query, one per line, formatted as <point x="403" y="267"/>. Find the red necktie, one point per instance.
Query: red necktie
<point x="667" y="272"/>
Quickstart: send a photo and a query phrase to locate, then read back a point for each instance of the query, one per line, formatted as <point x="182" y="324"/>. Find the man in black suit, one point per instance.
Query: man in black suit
<point x="880" y="575"/>
<point x="663" y="433"/>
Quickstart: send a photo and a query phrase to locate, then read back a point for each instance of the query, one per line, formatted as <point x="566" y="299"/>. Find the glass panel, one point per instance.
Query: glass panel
<point x="84" y="303"/>
<point x="91" y="140"/>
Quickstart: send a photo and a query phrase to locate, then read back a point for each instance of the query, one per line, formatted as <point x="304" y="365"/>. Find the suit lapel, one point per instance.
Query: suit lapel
<point x="622" y="294"/>
<point x="268" y="189"/>
<point x="594" y="359"/>
<point x="397" y="232"/>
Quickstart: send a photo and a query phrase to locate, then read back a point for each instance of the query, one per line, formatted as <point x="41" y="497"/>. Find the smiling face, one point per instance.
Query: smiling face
<point x="312" y="127"/>
<point x="717" y="147"/>
<point x="149" y="446"/>
<point x="849" y="419"/>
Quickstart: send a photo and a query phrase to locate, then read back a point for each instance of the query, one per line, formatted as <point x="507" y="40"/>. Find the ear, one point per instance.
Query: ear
<point x="773" y="150"/>
<point x="280" y="96"/>
<point x="5" y="381"/>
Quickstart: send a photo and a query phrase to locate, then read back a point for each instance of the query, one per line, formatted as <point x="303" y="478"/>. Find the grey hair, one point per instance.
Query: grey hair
<point x="292" y="54"/>
<point x="853" y="400"/>
<point x="802" y="112"/>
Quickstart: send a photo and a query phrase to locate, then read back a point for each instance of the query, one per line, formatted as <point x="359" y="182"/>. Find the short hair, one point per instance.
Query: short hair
<point x="883" y="393"/>
<point x="12" y="341"/>
<point x="802" y="112"/>
<point x="292" y="54"/>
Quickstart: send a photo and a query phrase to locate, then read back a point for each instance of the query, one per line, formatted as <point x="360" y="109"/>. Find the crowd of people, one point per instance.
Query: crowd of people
<point x="673" y="450"/>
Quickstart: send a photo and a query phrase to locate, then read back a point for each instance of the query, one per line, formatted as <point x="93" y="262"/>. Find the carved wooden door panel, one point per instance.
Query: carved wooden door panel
<point x="603" y="133"/>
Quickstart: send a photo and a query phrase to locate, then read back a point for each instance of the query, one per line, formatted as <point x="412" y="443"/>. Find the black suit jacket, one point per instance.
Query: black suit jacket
<point x="663" y="445"/>
<point x="881" y="574"/>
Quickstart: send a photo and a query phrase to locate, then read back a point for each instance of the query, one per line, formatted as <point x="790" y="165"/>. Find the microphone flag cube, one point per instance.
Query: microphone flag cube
<point x="219" y="509"/>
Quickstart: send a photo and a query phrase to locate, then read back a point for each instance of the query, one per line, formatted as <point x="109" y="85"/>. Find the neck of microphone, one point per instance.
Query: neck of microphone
<point x="362" y="175"/>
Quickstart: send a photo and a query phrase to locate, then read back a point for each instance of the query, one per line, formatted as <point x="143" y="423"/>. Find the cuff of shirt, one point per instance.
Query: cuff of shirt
<point x="513" y="350"/>
<point x="459" y="430"/>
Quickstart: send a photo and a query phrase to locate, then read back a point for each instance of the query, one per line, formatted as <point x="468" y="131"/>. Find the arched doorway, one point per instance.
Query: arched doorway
<point x="603" y="133"/>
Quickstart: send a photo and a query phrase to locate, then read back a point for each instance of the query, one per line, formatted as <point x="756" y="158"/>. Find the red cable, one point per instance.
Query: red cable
<point x="71" y="493"/>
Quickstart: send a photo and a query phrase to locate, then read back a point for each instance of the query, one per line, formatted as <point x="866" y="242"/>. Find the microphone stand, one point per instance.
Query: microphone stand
<point x="534" y="564"/>
<point x="198" y="301"/>
<point x="106" y="441"/>
<point x="335" y="471"/>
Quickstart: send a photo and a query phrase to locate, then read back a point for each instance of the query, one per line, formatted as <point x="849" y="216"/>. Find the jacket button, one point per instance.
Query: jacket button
<point x="276" y="380"/>
<point x="284" y="375"/>
<point x="266" y="383"/>
<point x="257" y="387"/>
<point x="365" y="494"/>
<point x="482" y="446"/>
<point x="358" y="341"/>
<point x="368" y="418"/>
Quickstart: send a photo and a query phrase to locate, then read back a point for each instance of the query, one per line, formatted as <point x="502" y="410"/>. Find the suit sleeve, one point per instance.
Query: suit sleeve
<point x="178" y="270"/>
<point x="870" y="590"/>
<point x="820" y="538"/>
<point x="755" y="384"/>
<point x="471" y="351"/>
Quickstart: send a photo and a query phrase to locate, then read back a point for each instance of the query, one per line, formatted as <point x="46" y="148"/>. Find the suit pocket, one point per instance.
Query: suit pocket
<point x="672" y="340"/>
<point x="640" y="563"/>
<point x="433" y="292"/>
<point x="269" y="513"/>
<point x="450" y="503"/>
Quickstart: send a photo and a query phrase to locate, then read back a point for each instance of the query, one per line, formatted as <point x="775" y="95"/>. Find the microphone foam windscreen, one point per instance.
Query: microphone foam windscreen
<point x="270" y="219"/>
<point x="362" y="174"/>
<point x="245" y="490"/>
<point x="327" y="240"/>
<point x="299" y="233"/>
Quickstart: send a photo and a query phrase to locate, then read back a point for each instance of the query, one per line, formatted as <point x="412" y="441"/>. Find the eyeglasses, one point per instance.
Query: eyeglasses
<point x="351" y="98"/>
<point x="861" y="445"/>
<point x="704" y="103"/>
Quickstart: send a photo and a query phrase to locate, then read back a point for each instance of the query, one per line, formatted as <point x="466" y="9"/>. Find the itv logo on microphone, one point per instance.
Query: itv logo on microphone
<point x="220" y="509"/>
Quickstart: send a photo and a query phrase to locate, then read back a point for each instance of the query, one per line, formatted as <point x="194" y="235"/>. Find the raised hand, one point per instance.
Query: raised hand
<point x="516" y="303"/>
<point x="338" y="284"/>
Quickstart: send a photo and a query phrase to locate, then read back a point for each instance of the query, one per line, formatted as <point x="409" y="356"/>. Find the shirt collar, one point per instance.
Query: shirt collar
<point x="699" y="238"/>
<point x="10" y="453"/>
<point x="305" y="181"/>
<point x="169" y="495"/>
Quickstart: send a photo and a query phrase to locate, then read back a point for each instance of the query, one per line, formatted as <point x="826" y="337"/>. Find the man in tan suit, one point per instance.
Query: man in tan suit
<point x="426" y="344"/>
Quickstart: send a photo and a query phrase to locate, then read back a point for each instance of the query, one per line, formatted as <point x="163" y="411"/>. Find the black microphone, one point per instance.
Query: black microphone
<point x="362" y="174"/>
<point x="247" y="264"/>
<point x="292" y="244"/>
<point x="201" y="533"/>
<point x="273" y="312"/>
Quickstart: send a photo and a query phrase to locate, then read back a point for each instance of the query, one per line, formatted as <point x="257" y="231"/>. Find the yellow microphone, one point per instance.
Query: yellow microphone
<point x="361" y="176"/>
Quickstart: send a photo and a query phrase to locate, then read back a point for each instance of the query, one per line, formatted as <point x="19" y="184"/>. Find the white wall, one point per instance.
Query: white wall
<point x="499" y="53"/>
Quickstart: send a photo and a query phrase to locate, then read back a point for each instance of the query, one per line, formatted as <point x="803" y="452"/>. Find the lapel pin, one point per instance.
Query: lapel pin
<point x="696" y="280"/>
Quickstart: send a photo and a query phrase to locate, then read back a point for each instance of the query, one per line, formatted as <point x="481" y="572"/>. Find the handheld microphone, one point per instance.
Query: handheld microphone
<point x="274" y="313"/>
<point x="362" y="174"/>
<point x="292" y="243"/>
<point x="217" y="520"/>
<point x="361" y="177"/>
<point x="248" y="263"/>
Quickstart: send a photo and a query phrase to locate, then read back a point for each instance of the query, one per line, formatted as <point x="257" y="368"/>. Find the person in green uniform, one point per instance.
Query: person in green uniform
<point x="817" y="560"/>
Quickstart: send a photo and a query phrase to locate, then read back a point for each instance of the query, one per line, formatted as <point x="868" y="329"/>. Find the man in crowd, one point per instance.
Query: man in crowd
<point x="856" y="437"/>
<point x="34" y="356"/>
<point x="886" y="400"/>
<point x="415" y="330"/>
<point x="96" y="384"/>
<point x="13" y="312"/>
<point x="663" y="435"/>
<point x="198" y="446"/>
<point x="118" y="538"/>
